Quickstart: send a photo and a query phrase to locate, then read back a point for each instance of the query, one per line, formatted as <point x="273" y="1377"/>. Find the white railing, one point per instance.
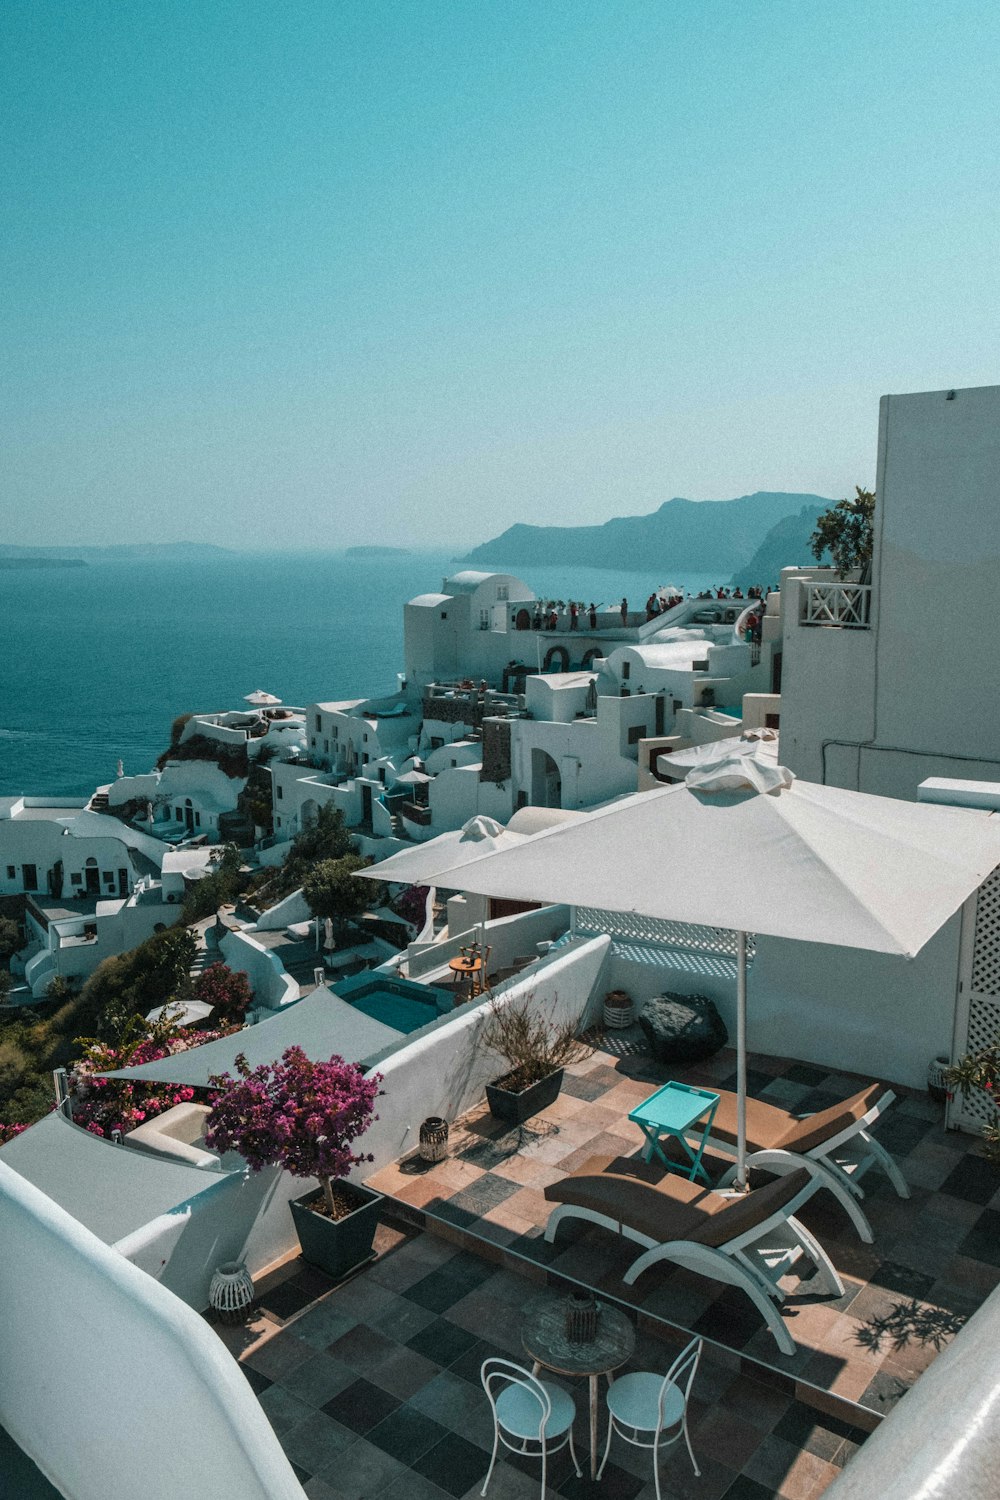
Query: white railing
<point x="847" y="605"/>
<point x="657" y="932"/>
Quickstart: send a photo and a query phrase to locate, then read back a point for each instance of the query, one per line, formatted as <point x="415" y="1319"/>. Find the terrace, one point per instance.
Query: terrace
<point x="374" y="1384"/>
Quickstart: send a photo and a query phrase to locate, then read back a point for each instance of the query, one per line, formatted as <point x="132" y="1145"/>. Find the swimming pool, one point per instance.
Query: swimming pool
<point x="400" y="1003"/>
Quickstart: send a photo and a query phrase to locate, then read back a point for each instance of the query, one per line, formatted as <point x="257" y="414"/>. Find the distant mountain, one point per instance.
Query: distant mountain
<point x="702" y="535"/>
<point x="13" y="563"/>
<point x="373" y="551"/>
<point x="122" y="553"/>
<point x="785" y="546"/>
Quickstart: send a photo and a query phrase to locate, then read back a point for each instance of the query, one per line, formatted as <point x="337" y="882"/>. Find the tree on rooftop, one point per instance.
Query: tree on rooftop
<point x="846" y="532"/>
<point x="325" y="838"/>
<point x="332" y="889"/>
<point x="220" y="886"/>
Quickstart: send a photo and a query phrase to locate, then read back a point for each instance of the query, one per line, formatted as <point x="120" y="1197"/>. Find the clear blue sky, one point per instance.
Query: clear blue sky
<point x="330" y="271"/>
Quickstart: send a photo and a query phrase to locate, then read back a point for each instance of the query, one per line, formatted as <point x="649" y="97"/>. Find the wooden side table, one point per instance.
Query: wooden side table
<point x="543" y="1336"/>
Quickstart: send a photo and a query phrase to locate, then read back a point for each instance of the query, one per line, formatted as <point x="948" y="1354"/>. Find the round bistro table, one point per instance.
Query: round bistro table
<point x="543" y="1335"/>
<point x="466" y="968"/>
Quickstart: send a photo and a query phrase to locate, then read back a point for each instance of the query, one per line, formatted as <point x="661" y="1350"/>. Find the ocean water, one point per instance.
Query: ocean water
<point x="96" y="662"/>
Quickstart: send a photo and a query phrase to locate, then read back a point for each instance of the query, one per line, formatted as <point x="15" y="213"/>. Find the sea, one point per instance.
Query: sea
<point x="96" y="662"/>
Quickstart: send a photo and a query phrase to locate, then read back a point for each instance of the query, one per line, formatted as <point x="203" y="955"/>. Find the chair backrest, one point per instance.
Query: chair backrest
<point x="837" y="1122"/>
<point x="681" y="1373"/>
<point x="500" y="1373"/>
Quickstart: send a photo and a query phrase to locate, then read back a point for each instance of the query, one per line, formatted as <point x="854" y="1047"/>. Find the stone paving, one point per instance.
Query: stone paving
<point x="935" y="1258"/>
<point x="373" y="1388"/>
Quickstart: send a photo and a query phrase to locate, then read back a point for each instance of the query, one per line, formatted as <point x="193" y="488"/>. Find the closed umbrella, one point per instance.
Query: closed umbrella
<point x="830" y="866"/>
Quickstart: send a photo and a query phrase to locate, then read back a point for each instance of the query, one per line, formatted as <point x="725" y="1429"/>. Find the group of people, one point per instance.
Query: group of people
<point x="546" y="616"/>
<point x="759" y="592"/>
<point x="659" y="601"/>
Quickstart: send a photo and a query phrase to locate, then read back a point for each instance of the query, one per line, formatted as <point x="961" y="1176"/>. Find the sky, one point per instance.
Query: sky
<point x="410" y="271"/>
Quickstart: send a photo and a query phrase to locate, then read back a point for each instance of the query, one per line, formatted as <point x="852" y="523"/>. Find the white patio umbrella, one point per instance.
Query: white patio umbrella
<point x="830" y="866"/>
<point x="260" y="699"/>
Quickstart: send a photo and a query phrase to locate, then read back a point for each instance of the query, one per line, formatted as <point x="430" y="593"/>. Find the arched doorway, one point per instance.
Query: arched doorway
<point x="522" y="620"/>
<point x="546" y="782"/>
<point x="591" y="656"/>
<point x="556" y="659"/>
<point x="92" y="876"/>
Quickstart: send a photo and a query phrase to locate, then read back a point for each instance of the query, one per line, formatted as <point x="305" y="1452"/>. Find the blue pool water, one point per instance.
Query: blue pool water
<point x="399" y="1003"/>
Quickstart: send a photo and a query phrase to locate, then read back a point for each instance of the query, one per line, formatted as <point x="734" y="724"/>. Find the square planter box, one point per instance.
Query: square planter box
<point x="336" y="1246"/>
<point x="516" y="1108"/>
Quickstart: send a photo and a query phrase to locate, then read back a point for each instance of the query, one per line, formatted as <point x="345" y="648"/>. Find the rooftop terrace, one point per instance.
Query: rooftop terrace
<point x="373" y="1385"/>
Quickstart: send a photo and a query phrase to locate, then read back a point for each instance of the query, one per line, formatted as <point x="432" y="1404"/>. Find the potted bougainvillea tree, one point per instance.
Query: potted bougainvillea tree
<point x="305" y="1116"/>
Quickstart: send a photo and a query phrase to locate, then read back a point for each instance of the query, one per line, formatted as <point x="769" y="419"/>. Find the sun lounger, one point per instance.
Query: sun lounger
<point x="836" y="1144"/>
<point x="745" y="1240"/>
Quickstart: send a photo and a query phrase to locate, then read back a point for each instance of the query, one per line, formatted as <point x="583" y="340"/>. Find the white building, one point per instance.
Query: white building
<point x="879" y="689"/>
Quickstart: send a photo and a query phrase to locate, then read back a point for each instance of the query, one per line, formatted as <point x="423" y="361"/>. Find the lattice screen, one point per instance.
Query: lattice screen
<point x="974" y="1110"/>
<point x="639" y="929"/>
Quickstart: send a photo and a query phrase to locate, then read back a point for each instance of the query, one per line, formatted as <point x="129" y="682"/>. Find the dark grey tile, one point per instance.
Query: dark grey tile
<point x="489" y="1192"/>
<point x="441" y="1341"/>
<point x="983" y="1240"/>
<point x="361" y="1406"/>
<point x="453" y="1464"/>
<point x="406" y="1434"/>
<point x="317" y="1379"/>
<point x="316" y="1441"/>
<point x="974" y="1179"/>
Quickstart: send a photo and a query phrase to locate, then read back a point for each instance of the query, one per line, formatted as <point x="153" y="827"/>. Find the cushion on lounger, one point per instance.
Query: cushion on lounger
<point x="770" y="1128"/>
<point x="672" y="1208"/>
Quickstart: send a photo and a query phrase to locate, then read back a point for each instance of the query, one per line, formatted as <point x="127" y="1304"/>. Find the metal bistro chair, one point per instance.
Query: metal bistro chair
<point x="531" y="1417"/>
<point x="643" y="1406"/>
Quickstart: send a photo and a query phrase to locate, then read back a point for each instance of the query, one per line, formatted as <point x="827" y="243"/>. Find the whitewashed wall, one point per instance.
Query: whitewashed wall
<point x="271" y="985"/>
<point x="144" y="1400"/>
<point x="445" y="1072"/>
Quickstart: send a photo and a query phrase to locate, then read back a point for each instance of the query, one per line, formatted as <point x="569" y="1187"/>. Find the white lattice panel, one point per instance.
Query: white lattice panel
<point x="659" y="933"/>
<point x="974" y="1110"/>
<point x="986" y="955"/>
<point x="977" y="1108"/>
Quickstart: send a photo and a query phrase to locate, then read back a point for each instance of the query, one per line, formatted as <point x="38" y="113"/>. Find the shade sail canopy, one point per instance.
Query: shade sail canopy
<point x="322" y="1024"/>
<point x="447" y="853"/>
<point x="110" y="1189"/>
<point x="815" y="863"/>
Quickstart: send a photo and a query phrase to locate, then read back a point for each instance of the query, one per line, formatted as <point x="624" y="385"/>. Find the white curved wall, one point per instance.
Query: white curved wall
<point x="113" y="1386"/>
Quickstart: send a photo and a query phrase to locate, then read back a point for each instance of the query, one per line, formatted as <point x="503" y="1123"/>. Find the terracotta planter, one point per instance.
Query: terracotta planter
<point x="516" y="1108"/>
<point x="336" y="1246"/>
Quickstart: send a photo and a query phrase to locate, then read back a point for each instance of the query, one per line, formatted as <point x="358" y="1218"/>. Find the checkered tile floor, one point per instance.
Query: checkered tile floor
<point x="373" y="1389"/>
<point x="935" y="1258"/>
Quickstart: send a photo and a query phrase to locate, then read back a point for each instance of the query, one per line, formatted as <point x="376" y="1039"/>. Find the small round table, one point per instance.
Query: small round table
<point x="467" y="967"/>
<point x="543" y="1335"/>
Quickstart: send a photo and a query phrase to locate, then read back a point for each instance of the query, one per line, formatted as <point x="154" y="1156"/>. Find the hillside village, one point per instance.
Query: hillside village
<point x="521" y="726"/>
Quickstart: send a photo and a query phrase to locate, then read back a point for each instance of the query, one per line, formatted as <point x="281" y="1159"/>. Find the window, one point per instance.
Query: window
<point x="636" y="733"/>
<point x="179" y="814"/>
<point x="436" y="742"/>
<point x="29" y="875"/>
<point x="76" y="878"/>
<point x="319" y="723"/>
<point x="11" y="872"/>
<point x="197" y="820"/>
<point x="281" y="792"/>
<point x="626" y="670"/>
<point x="326" y="747"/>
<point x="334" y="733"/>
<point x="365" y="759"/>
<point x="503" y="592"/>
<point x="109" y="877"/>
<point x="772" y="721"/>
<point x="444" y="614"/>
<point x="277" y="822"/>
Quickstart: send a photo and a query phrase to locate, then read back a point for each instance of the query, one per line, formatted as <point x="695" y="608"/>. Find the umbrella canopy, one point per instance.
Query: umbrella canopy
<point x="260" y="699"/>
<point x="183" y="1012"/>
<point x="829" y="866"/>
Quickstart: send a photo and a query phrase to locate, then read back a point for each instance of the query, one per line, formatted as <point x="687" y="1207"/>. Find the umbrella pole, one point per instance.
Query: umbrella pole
<point x="741" y="1061"/>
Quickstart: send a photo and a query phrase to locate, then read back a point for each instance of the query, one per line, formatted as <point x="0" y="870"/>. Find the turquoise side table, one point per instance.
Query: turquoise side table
<point x="673" y="1110"/>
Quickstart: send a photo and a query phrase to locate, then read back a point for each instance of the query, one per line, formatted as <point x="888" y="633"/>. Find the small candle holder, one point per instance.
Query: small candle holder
<point x="581" y="1317"/>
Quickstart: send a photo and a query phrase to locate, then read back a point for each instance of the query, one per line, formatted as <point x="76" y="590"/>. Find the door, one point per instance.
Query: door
<point x="366" y="805"/>
<point x="977" y="1012"/>
<point x="189" y="815"/>
<point x="93" y="877"/>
